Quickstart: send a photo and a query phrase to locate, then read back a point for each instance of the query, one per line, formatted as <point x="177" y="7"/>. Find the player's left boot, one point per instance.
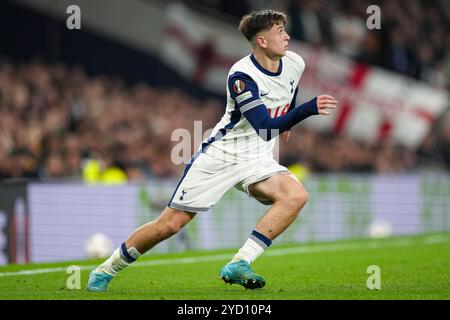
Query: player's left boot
<point x="239" y="272"/>
<point x="98" y="281"/>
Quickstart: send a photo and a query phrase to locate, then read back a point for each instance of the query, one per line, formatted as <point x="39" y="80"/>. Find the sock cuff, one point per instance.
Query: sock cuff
<point x="125" y="255"/>
<point x="261" y="239"/>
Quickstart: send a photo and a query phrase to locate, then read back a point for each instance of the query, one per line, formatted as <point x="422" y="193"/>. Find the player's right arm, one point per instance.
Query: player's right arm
<point x="246" y="94"/>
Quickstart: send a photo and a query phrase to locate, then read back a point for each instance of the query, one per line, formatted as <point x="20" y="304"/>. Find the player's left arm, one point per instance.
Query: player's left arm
<point x="285" y="135"/>
<point x="324" y="102"/>
<point x="260" y="120"/>
<point x="301" y="67"/>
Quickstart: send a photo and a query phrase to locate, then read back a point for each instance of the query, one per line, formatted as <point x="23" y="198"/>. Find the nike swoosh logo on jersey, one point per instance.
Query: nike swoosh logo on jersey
<point x="264" y="93"/>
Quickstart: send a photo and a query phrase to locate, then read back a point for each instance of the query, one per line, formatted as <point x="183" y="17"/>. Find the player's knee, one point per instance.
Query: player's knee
<point x="169" y="227"/>
<point x="173" y="226"/>
<point x="295" y="201"/>
<point x="304" y="197"/>
<point x="171" y="221"/>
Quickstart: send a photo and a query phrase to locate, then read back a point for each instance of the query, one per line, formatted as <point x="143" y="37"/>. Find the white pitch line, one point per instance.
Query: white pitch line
<point x="435" y="239"/>
<point x="40" y="271"/>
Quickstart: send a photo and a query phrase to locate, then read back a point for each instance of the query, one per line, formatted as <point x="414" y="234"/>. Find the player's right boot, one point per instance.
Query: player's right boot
<point x="239" y="272"/>
<point x="98" y="281"/>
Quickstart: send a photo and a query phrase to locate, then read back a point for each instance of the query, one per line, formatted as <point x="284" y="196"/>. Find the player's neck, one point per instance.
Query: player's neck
<point x="270" y="64"/>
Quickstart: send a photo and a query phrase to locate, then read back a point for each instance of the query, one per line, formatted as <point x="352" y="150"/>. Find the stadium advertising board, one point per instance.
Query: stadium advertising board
<point x="52" y="222"/>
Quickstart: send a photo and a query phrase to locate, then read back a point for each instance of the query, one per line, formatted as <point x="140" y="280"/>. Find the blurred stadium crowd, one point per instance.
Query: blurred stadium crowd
<point x="340" y="26"/>
<point x="52" y="118"/>
<point x="55" y="119"/>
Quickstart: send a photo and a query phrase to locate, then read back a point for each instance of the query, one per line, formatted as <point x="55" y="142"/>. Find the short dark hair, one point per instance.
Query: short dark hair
<point x="257" y="21"/>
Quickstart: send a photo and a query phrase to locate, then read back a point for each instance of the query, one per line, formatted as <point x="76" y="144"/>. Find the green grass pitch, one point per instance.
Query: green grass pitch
<point x="414" y="267"/>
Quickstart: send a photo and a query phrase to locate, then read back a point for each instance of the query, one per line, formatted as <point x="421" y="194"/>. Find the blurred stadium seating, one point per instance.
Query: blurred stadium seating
<point x="50" y="124"/>
<point x="54" y="117"/>
<point x="103" y="94"/>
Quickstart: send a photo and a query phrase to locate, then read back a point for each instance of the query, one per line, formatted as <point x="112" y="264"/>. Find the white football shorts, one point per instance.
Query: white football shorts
<point x="206" y="179"/>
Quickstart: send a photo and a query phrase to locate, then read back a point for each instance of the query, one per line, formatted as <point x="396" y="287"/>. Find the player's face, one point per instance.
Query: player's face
<point x="277" y="40"/>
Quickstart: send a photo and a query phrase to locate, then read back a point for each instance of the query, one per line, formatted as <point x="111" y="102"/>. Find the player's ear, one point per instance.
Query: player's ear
<point x="260" y="41"/>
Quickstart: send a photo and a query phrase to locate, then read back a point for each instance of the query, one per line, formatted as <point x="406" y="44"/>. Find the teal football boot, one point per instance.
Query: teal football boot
<point x="98" y="281"/>
<point x="239" y="272"/>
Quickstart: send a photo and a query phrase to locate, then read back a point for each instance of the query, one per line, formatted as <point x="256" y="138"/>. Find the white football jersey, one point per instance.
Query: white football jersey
<point x="250" y="85"/>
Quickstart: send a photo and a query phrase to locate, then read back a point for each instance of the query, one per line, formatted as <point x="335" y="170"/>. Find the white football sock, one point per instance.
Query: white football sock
<point x="249" y="252"/>
<point x="253" y="247"/>
<point x="113" y="264"/>
<point x="117" y="261"/>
